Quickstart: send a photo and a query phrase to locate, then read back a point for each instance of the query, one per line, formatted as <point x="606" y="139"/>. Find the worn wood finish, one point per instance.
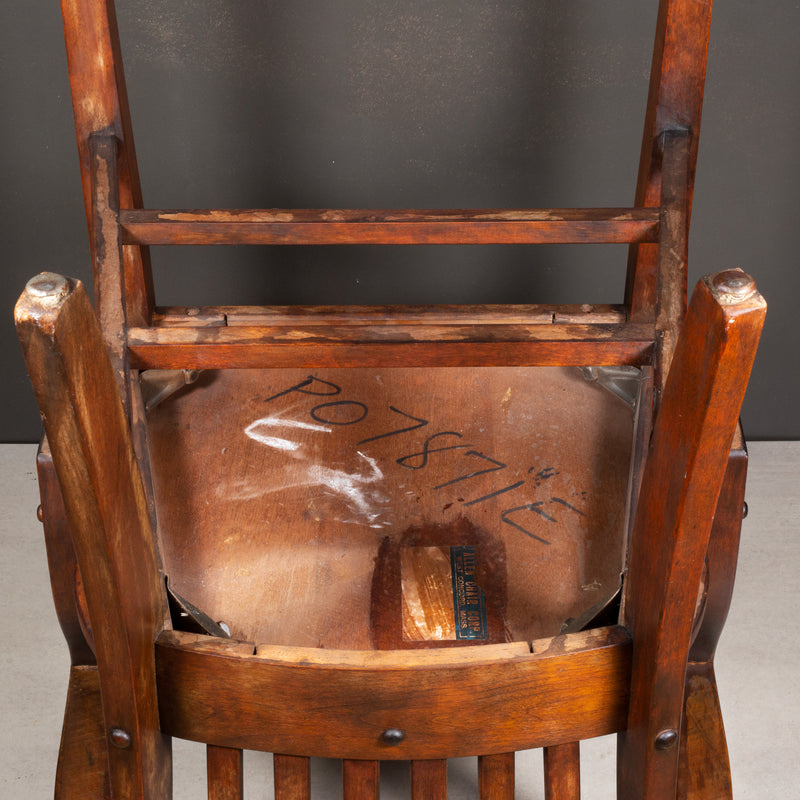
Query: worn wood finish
<point x="88" y="435"/>
<point x="429" y="779"/>
<point x="496" y="314"/>
<point x="682" y="480"/>
<point x="390" y="346"/>
<point x="109" y="275"/>
<point x="570" y="687"/>
<point x="705" y="772"/>
<point x="673" y="250"/>
<point x="291" y="777"/>
<point x="562" y="772"/>
<point x="225" y="773"/>
<point x="675" y="100"/>
<point x="346" y="226"/>
<point x="496" y="777"/>
<point x="315" y="500"/>
<point x="721" y="557"/>
<point x="100" y="104"/>
<point x="61" y="560"/>
<point x="360" y="780"/>
<point x="82" y="763"/>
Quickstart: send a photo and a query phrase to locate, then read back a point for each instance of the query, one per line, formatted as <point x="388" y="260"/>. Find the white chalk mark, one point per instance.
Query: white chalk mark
<point x="254" y="431"/>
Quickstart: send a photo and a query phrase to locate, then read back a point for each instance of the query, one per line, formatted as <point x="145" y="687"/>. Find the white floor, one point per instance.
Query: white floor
<point x="757" y="661"/>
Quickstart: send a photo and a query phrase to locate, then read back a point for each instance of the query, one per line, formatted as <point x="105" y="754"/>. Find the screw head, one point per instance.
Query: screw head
<point x="666" y="740"/>
<point x="120" y="738"/>
<point x="393" y="736"/>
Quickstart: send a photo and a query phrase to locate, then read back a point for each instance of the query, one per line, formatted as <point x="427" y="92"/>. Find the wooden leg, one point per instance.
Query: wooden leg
<point x="82" y="762"/>
<point x="61" y="560"/>
<point x="704" y="770"/>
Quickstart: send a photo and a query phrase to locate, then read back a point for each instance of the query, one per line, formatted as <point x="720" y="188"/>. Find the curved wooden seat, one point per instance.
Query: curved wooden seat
<point x="324" y="509"/>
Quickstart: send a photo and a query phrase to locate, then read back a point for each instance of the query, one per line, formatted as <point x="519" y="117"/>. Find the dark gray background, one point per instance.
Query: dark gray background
<point x="423" y="103"/>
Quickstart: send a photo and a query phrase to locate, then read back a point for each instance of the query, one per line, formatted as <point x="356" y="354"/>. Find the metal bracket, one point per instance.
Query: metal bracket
<point x="623" y="382"/>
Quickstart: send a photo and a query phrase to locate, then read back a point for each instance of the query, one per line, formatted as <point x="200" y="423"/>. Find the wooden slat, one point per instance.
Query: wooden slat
<point x="390" y="345"/>
<point x="429" y="779"/>
<point x="507" y="314"/>
<point x="225" y="770"/>
<point x="106" y="505"/>
<point x="496" y="777"/>
<point x="292" y="777"/>
<point x="681" y="483"/>
<point x="562" y="772"/>
<point x="360" y="780"/>
<point x="327" y="226"/>
<point x="571" y="687"/>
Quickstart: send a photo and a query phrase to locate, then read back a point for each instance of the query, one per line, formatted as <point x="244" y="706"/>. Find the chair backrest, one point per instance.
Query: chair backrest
<point x="402" y="703"/>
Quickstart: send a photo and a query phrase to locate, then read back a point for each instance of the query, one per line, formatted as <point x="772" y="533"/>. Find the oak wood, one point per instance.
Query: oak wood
<point x="572" y="686"/>
<point x="721" y="558"/>
<point x="390" y="345"/>
<point x="429" y="779"/>
<point x="682" y="480"/>
<point x="100" y="104"/>
<point x="292" y="504"/>
<point x="496" y="777"/>
<point x="562" y="772"/>
<point x="109" y="275"/>
<point x="508" y="314"/>
<point x="61" y="560"/>
<point x="93" y="456"/>
<point x="334" y="226"/>
<point x="360" y="780"/>
<point x="673" y="251"/>
<point x="705" y="772"/>
<point x="82" y="763"/>
<point x="292" y="777"/>
<point x="225" y="771"/>
<point x="675" y="100"/>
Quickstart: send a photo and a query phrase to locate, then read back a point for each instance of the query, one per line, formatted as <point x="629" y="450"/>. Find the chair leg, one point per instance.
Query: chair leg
<point x="704" y="769"/>
<point x="82" y="762"/>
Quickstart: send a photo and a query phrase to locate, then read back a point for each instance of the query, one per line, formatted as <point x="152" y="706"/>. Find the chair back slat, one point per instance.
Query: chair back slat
<point x="225" y="770"/>
<point x="429" y="779"/>
<point x="562" y="772"/>
<point x="292" y="777"/>
<point x="360" y="780"/>
<point x="496" y="777"/>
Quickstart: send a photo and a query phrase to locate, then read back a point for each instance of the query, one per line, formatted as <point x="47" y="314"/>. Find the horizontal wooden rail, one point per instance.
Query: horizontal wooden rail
<point x="506" y="314"/>
<point x="486" y="226"/>
<point x="441" y="703"/>
<point x="389" y="345"/>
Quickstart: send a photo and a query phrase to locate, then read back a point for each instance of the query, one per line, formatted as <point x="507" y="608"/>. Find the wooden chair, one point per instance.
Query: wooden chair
<point x="391" y="533"/>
